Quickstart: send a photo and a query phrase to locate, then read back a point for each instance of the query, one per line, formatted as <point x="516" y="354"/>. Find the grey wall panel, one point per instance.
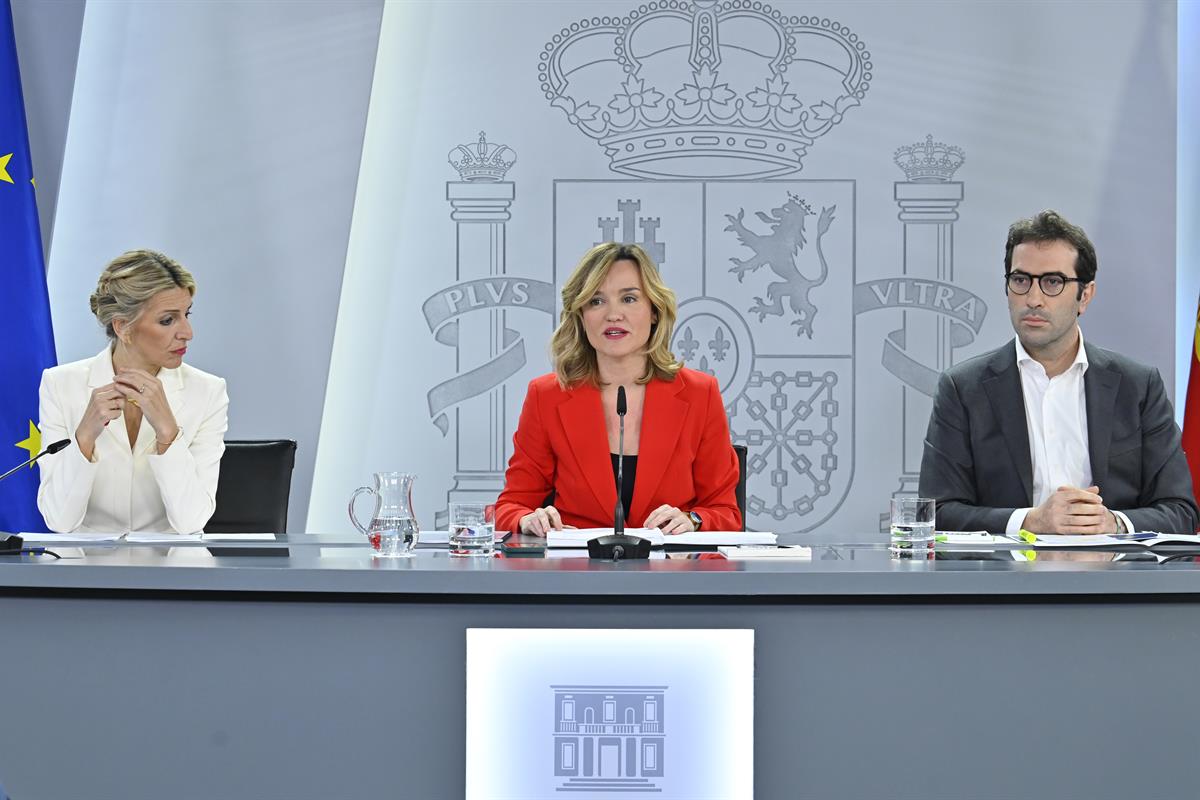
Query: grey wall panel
<point x="600" y="107"/>
<point x="1187" y="211"/>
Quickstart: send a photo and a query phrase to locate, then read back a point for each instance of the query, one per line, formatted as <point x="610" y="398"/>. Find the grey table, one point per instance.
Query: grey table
<point x="143" y="672"/>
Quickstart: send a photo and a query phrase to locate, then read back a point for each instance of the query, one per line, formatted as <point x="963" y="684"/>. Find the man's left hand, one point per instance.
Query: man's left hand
<point x="1105" y="521"/>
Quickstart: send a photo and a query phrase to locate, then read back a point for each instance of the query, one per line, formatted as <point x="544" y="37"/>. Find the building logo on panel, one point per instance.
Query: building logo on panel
<point x="681" y="728"/>
<point x="609" y="738"/>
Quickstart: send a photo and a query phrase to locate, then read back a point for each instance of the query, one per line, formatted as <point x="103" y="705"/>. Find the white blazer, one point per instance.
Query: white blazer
<point x="123" y="489"/>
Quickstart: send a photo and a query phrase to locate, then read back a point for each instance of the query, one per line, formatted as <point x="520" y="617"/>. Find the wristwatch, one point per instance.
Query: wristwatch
<point x="697" y="522"/>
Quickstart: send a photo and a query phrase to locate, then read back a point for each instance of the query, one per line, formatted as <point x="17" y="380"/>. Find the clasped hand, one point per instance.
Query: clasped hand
<point x="1072" y="510"/>
<point x="134" y="387"/>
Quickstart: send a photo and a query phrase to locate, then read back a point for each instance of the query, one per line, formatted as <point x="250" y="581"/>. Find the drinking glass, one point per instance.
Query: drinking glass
<point x="472" y="529"/>
<point x="912" y="533"/>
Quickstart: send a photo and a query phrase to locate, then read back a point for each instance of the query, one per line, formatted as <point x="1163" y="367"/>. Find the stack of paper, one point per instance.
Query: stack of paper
<point x="578" y="537"/>
<point x="161" y="538"/>
<point x="82" y="539"/>
<point x="1144" y="539"/>
<point x="70" y="539"/>
<point x="754" y="551"/>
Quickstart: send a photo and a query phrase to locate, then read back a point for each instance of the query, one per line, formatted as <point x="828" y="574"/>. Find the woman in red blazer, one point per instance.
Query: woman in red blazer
<point x="680" y="468"/>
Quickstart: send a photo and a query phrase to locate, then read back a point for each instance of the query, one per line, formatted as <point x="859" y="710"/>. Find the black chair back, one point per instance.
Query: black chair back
<point x="740" y="492"/>
<point x="254" y="487"/>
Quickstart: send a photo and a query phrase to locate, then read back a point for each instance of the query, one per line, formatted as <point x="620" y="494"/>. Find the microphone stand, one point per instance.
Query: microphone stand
<point x="618" y="546"/>
<point x="51" y="450"/>
<point x="619" y="511"/>
<point x="10" y="543"/>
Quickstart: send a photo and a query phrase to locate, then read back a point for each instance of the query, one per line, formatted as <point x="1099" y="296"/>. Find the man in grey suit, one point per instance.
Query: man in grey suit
<point x="1050" y="433"/>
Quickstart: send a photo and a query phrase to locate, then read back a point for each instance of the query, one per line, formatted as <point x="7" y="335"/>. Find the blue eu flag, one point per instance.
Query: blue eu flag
<point x="26" y="338"/>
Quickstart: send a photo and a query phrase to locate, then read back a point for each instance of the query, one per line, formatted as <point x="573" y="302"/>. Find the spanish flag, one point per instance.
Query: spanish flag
<point x="1191" y="412"/>
<point x="26" y="340"/>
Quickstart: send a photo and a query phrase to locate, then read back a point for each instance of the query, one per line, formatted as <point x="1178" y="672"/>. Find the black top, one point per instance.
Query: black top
<point x="627" y="479"/>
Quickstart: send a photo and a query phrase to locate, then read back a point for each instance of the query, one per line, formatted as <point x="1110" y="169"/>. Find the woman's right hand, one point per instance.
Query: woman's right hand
<point x="107" y="404"/>
<point x="541" y="521"/>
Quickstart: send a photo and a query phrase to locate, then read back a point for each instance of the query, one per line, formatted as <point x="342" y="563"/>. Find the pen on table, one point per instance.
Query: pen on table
<point x="965" y="536"/>
<point x="1027" y="536"/>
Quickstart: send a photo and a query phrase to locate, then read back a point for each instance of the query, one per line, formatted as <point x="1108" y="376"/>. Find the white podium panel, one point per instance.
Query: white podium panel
<point x="601" y="714"/>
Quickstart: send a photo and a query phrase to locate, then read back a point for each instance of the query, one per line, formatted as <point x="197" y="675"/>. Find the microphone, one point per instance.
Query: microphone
<point x="619" y="511"/>
<point x="51" y="450"/>
<point x="11" y="544"/>
<point x="618" y="546"/>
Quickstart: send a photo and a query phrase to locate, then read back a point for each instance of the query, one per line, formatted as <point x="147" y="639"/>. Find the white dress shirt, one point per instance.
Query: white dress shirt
<point x="1056" y="418"/>
<point x="130" y="489"/>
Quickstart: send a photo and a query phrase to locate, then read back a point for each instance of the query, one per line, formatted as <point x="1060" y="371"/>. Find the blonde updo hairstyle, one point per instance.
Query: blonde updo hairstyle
<point x="573" y="355"/>
<point x="130" y="280"/>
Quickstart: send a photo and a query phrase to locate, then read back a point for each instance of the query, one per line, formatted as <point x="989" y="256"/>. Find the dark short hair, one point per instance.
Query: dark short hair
<point x="1050" y="226"/>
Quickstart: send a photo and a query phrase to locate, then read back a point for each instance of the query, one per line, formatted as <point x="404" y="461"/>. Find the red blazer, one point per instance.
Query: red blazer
<point x="685" y="457"/>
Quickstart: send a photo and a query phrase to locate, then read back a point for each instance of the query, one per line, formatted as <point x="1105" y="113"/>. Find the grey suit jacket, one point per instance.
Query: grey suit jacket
<point x="977" y="465"/>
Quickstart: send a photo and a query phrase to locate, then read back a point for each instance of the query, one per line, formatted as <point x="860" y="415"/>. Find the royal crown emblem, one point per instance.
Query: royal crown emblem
<point x="929" y="161"/>
<point x="482" y="162"/>
<point x="709" y="89"/>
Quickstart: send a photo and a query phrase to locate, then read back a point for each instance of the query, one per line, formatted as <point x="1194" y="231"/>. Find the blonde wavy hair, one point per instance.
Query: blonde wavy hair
<point x="130" y="280"/>
<point x="573" y="355"/>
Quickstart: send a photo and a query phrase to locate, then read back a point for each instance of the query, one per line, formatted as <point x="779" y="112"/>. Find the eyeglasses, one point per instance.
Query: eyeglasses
<point x="1051" y="283"/>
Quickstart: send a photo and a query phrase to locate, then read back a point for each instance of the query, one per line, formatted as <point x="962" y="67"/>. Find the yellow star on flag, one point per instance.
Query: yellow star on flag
<point x="4" y="176"/>
<point x="34" y="443"/>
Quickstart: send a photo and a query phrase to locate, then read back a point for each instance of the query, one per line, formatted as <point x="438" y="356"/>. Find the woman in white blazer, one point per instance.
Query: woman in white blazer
<point x="147" y="431"/>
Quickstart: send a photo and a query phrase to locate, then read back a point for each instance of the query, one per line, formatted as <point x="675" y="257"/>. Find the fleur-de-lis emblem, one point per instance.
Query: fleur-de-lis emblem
<point x="688" y="344"/>
<point x="719" y="345"/>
